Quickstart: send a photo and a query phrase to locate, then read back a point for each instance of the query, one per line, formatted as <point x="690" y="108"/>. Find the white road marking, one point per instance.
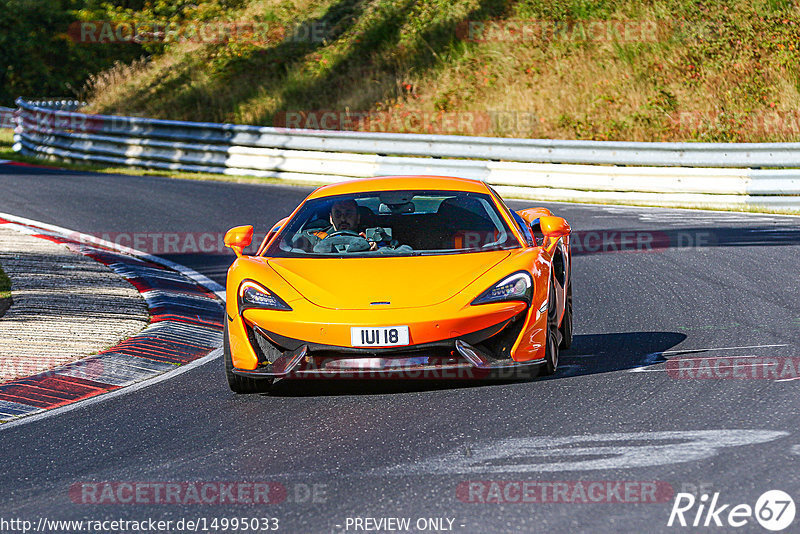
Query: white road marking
<point x="700" y="358"/>
<point x="654" y="355"/>
<point x="553" y="453"/>
<point x="795" y="449"/>
<point x="114" y="394"/>
<point x="788" y="379"/>
<point x="715" y="367"/>
<point x="719" y="348"/>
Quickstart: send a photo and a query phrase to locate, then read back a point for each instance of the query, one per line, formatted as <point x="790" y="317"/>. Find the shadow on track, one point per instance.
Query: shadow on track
<point x="605" y="353"/>
<point x="590" y="354"/>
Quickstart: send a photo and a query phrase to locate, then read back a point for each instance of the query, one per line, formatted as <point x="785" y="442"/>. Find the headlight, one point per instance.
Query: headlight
<point x="518" y="286"/>
<point x="254" y="295"/>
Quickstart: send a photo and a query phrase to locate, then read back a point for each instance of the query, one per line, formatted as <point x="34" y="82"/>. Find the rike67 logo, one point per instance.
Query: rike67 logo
<point x="774" y="510"/>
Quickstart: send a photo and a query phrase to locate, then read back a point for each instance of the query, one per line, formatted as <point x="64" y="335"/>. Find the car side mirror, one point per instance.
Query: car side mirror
<point x="536" y="231"/>
<point x="554" y="227"/>
<point x="239" y="238"/>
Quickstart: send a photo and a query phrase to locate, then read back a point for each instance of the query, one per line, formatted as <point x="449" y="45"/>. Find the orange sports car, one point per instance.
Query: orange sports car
<point x="412" y="276"/>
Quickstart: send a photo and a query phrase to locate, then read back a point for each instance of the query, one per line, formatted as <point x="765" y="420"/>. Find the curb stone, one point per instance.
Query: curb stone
<point x="185" y="325"/>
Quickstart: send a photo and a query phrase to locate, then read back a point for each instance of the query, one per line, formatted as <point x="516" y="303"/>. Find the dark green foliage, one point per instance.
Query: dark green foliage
<point x="37" y="56"/>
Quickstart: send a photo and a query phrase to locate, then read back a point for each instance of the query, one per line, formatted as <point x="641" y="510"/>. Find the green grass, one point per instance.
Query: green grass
<point x="6" y="142"/>
<point x="712" y="71"/>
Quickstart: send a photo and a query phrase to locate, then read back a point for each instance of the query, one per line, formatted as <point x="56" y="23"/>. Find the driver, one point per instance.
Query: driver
<point x="344" y="216"/>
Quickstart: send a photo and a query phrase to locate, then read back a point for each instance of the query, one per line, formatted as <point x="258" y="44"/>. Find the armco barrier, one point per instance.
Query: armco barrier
<point x="546" y="169"/>
<point x="7" y="117"/>
<point x="60" y="104"/>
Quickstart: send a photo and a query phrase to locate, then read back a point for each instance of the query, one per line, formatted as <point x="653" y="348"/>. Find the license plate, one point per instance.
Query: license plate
<point x="383" y="336"/>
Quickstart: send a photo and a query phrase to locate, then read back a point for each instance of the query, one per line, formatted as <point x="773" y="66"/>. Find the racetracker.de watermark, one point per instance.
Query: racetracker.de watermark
<point x="734" y="368"/>
<point x="196" y="492"/>
<point x="537" y="30"/>
<point x="581" y="242"/>
<point x="166" y="242"/>
<point x="408" y="120"/>
<point x="765" y="122"/>
<point x="384" y="368"/>
<point x="177" y="493"/>
<point x="588" y="31"/>
<point x="435" y="122"/>
<point x="155" y="31"/>
<point x="607" y="241"/>
<point x="563" y="492"/>
<point x="91" y="368"/>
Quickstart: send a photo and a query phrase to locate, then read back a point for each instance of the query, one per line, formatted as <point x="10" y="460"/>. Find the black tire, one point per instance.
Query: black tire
<point x="551" y="348"/>
<point x="241" y="384"/>
<point x="566" y="322"/>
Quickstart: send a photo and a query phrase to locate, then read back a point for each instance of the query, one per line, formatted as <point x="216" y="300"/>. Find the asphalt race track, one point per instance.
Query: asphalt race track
<point x="617" y="412"/>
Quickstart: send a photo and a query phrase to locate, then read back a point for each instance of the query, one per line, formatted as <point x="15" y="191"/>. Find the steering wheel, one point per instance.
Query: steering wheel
<point x="337" y="233"/>
<point x="342" y="241"/>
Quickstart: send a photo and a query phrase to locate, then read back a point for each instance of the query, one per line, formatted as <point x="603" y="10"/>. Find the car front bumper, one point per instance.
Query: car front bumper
<point x="460" y="357"/>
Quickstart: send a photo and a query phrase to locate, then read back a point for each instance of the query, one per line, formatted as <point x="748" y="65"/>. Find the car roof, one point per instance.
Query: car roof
<point x="395" y="183"/>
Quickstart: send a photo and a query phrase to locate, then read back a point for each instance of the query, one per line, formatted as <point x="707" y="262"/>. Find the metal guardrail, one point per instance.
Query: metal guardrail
<point x="61" y="104"/>
<point x="560" y="171"/>
<point x="7" y="117"/>
<point x="730" y="155"/>
<point x="7" y="114"/>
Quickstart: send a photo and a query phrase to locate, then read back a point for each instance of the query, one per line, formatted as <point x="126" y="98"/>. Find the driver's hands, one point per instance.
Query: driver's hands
<point x="372" y="244"/>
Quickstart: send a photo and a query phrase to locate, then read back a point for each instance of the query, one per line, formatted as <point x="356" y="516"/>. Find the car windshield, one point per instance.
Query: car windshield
<point x="394" y="223"/>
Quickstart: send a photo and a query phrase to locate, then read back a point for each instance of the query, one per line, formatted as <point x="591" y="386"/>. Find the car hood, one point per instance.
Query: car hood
<point x="407" y="282"/>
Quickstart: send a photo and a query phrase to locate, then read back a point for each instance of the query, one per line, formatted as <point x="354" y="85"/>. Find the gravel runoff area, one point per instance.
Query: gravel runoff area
<point x="65" y="306"/>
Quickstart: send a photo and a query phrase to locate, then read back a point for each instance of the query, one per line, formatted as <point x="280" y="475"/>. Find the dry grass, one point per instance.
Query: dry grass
<point x="104" y="87"/>
<point x="714" y="72"/>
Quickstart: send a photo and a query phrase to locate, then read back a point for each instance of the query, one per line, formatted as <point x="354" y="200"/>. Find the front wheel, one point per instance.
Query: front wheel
<point x="551" y="348"/>
<point x="240" y="384"/>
